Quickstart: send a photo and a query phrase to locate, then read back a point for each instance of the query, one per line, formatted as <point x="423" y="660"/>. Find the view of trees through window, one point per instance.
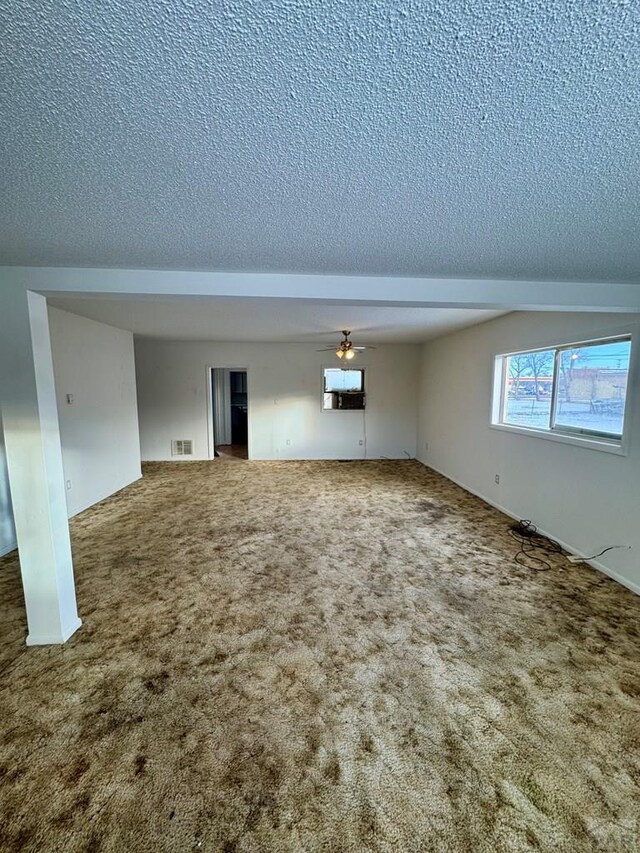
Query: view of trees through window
<point x="590" y="383"/>
<point x="529" y="389"/>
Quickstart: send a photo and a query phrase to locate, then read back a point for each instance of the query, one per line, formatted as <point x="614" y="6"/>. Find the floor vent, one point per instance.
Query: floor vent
<point x="182" y="447"/>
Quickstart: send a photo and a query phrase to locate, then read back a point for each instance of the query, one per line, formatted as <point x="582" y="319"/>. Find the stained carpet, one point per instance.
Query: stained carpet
<point x="283" y="656"/>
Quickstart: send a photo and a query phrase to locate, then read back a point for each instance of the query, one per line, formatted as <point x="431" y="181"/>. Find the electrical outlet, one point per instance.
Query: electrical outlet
<point x="68" y="485"/>
<point x="361" y="442"/>
<point x="288" y="442"/>
<point x="497" y="479"/>
<point x="69" y="399"/>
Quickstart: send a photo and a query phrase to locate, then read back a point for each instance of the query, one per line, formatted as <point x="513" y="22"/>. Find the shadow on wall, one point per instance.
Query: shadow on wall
<point x="7" y="530"/>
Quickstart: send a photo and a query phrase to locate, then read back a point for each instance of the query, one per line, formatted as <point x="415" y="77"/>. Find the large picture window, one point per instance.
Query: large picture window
<point x="577" y="389"/>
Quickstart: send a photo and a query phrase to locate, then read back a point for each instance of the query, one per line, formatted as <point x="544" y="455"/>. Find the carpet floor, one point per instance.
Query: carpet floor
<point x="319" y="656"/>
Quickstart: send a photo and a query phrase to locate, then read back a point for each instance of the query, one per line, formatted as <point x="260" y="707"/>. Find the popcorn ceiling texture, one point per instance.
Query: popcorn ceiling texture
<point x="487" y="139"/>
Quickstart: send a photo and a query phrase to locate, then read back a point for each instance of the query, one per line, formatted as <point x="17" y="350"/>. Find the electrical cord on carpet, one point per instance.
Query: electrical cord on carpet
<point x="532" y="545"/>
<point x="573" y="559"/>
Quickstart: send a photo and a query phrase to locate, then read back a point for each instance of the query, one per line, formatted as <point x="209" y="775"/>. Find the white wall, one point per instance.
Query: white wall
<point x="587" y="499"/>
<point x="99" y="430"/>
<point x="7" y="528"/>
<point x="284" y="389"/>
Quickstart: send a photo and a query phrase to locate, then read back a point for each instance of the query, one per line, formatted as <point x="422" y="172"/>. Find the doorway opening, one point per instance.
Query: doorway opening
<point x="230" y="412"/>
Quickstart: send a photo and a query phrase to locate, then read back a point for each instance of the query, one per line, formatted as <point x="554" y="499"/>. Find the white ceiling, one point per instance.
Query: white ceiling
<point x="277" y="320"/>
<point x="494" y="139"/>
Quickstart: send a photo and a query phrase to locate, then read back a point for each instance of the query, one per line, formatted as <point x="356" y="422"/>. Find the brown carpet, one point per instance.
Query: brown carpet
<point x="319" y="657"/>
<point x="232" y="451"/>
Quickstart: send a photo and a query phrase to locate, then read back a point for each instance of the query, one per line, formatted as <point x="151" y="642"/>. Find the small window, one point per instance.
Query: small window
<point x="578" y="389"/>
<point x="529" y="381"/>
<point x="343" y="389"/>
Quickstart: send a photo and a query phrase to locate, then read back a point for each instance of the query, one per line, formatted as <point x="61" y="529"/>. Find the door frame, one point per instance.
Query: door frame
<point x="211" y="448"/>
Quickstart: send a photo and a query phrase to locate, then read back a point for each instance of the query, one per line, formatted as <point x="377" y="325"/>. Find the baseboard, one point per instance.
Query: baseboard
<point x="178" y="459"/>
<point x="7" y="549"/>
<point x="392" y="458"/>
<point x="571" y="549"/>
<point x="109" y="494"/>
<point x="13" y="546"/>
<point x="54" y="639"/>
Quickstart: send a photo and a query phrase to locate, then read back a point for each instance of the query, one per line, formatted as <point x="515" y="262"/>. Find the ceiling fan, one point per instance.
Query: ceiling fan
<point x="345" y="348"/>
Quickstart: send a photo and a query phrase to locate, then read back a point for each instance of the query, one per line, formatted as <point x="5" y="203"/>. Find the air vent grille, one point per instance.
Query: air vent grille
<point x="182" y="447"/>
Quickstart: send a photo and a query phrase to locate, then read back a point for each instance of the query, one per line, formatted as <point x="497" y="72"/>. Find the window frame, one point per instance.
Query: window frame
<point x="591" y="439"/>
<point x="323" y="391"/>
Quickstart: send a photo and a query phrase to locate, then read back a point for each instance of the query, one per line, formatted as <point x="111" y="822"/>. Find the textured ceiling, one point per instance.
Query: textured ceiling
<point x="256" y="319"/>
<point x="480" y="139"/>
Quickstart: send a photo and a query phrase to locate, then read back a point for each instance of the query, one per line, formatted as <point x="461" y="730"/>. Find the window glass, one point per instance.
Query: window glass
<point x="338" y="379"/>
<point x="343" y="389"/>
<point x="529" y="389"/>
<point x="577" y="389"/>
<point x="592" y="384"/>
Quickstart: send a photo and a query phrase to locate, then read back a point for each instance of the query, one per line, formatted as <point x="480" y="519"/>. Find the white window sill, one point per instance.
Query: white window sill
<point x="587" y="442"/>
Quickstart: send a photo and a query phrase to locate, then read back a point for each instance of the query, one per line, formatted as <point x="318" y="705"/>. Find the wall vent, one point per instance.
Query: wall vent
<point x="182" y="447"/>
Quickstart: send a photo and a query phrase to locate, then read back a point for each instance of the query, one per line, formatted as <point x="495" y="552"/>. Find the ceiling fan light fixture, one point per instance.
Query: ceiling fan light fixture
<point x="345" y="348"/>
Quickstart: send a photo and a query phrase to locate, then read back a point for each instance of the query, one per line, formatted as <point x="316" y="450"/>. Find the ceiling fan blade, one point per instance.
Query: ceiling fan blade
<point x="327" y="349"/>
<point x="359" y="348"/>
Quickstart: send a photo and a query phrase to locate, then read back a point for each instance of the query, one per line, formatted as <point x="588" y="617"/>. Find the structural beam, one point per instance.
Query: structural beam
<point x="34" y="463"/>
<point x="378" y="290"/>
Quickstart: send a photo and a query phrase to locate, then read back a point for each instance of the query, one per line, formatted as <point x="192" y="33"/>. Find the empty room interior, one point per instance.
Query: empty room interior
<point x="320" y="427"/>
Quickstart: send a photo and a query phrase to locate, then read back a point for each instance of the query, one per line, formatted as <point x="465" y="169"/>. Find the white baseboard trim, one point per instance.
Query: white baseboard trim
<point x="54" y="639"/>
<point x="13" y="546"/>
<point x="571" y="549"/>
<point x="370" y="458"/>
<point x="93" y="502"/>
<point x="7" y="549"/>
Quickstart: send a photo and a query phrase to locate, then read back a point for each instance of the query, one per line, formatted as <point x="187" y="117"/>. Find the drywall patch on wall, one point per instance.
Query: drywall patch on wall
<point x="583" y="497"/>
<point x="286" y="420"/>
<point x="97" y="407"/>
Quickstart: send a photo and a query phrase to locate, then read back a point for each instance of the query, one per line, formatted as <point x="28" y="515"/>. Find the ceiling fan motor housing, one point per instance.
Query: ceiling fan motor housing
<point x="345" y="348"/>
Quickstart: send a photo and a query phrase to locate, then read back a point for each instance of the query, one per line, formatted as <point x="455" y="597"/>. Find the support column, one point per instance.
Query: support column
<point x="34" y="462"/>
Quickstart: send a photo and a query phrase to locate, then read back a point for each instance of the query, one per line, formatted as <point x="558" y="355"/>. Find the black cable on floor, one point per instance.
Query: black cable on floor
<point x="604" y="551"/>
<point x="534" y="546"/>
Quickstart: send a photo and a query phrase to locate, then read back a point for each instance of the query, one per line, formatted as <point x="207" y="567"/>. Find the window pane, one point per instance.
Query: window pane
<point x="338" y="379"/>
<point x="528" y="393"/>
<point x="592" y="384"/>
